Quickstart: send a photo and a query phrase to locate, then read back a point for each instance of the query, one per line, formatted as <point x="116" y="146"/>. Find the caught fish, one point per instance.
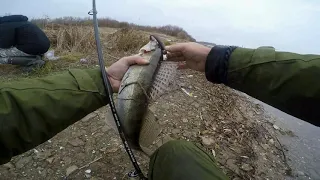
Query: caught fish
<point x="140" y="86"/>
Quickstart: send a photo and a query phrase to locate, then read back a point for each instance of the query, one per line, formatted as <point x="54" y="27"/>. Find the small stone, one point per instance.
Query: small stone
<point x="271" y="141"/>
<point x="76" y="142"/>
<point x="176" y="115"/>
<point x="71" y="169"/>
<point x="246" y="167"/>
<point x="300" y="173"/>
<point x="89" y="117"/>
<point x="182" y="84"/>
<point x="189" y="76"/>
<point x="23" y="161"/>
<point x="231" y="164"/>
<point x="204" y="132"/>
<point x="276" y="127"/>
<point x="87" y="175"/>
<point x="112" y="150"/>
<point x="265" y="146"/>
<point x="43" y="154"/>
<point x="197" y="105"/>
<point x="185" y="120"/>
<point x="61" y="147"/>
<point x="50" y="160"/>
<point x="93" y="151"/>
<point x="43" y="173"/>
<point x="213" y="153"/>
<point x="207" y="141"/>
<point x="67" y="160"/>
<point x="165" y="106"/>
<point x="246" y="157"/>
<point x="103" y="149"/>
<point x="49" y="141"/>
<point x="214" y="128"/>
<point x="83" y="61"/>
<point x="175" y="131"/>
<point x="88" y="171"/>
<point x="8" y="165"/>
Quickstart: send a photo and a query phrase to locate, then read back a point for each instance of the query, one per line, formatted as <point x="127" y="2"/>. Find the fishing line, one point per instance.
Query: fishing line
<point x="137" y="172"/>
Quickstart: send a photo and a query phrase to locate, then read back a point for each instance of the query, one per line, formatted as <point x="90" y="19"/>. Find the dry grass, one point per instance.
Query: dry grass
<point x="127" y="40"/>
<point x="72" y="43"/>
<point x="170" y="30"/>
<point x="71" y="60"/>
<point x="70" y="39"/>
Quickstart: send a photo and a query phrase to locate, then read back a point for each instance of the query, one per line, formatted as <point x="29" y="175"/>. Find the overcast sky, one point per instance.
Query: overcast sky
<point x="288" y="25"/>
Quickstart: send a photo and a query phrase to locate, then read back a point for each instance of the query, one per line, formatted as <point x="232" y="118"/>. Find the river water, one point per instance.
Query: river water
<point x="303" y="150"/>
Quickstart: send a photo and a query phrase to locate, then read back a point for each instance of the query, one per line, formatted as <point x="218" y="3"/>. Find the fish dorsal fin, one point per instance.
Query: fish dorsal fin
<point x="164" y="79"/>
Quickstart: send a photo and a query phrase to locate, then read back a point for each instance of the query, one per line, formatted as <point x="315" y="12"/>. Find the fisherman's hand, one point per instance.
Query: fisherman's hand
<point x="117" y="70"/>
<point x="191" y="55"/>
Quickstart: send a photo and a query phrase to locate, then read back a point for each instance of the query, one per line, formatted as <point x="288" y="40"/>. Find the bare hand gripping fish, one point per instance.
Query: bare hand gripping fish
<point x="141" y="85"/>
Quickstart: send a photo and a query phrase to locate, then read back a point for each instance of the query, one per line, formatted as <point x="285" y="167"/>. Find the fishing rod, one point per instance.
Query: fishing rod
<point x="137" y="171"/>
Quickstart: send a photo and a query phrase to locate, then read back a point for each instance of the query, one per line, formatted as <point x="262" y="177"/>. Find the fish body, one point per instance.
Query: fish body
<point x="133" y="95"/>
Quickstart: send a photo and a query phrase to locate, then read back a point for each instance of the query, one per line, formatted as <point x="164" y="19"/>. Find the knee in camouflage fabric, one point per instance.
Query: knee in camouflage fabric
<point x="13" y="51"/>
<point x="182" y="160"/>
<point x="16" y="57"/>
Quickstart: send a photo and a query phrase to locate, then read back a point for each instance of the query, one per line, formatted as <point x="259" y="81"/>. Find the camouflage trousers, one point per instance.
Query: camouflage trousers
<point x="16" y="57"/>
<point x="182" y="160"/>
<point x="5" y="54"/>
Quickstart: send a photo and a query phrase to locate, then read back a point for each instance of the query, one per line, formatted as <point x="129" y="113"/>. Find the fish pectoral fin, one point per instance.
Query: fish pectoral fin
<point x="149" y="131"/>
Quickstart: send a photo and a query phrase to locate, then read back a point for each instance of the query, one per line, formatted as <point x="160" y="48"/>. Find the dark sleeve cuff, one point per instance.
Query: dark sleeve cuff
<point x="217" y="64"/>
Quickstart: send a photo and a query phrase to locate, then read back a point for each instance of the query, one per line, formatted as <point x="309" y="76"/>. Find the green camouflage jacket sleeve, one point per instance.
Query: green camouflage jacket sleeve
<point x="34" y="110"/>
<point x="287" y="81"/>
